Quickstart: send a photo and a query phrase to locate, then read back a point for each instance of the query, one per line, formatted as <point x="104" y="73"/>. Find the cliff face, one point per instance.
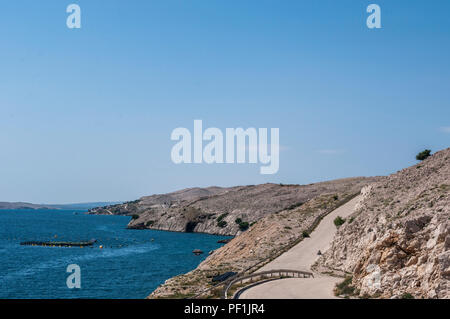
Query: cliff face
<point x="398" y="240"/>
<point x="224" y="211"/>
<point x="266" y="239"/>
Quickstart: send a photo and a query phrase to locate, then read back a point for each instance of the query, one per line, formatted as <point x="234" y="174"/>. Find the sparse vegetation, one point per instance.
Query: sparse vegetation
<point x="149" y="223"/>
<point x="134" y="217"/>
<point x="219" y="219"/>
<point x="345" y="288"/>
<point x="407" y="295"/>
<point x="305" y="234"/>
<point x="243" y="226"/>
<point x="423" y="155"/>
<point x="338" y="221"/>
<point x="222" y="224"/>
<point x="293" y="206"/>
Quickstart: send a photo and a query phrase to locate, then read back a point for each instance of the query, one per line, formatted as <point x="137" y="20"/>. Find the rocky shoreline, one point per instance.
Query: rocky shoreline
<point x="395" y="245"/>
<point x="265" y="240"/>
<point x="222" y="211"/>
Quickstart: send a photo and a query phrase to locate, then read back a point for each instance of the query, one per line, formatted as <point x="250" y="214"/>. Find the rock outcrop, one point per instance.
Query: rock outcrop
<point x="262" y="242"/>
<point x="397" y="243"/>
<point x="223" y="211"/>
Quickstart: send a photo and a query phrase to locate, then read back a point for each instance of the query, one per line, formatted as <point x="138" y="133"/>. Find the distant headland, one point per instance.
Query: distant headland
<point x="76" y="206"/>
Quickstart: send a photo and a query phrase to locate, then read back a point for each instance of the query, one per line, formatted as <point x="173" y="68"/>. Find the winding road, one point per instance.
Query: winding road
<point x="302" y="257"/>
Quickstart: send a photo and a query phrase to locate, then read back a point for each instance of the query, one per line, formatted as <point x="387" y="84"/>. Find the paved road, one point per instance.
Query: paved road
<point x="302" y="257"/>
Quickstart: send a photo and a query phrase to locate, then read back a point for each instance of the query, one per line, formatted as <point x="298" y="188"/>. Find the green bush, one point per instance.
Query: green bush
<point x="338" y="221"/>
<point x="219" y="219"/>
<point x="134" y="216"/>
<point x="238" y="221"/>
<point x="222" y="224"/>
<point x="305" y="234"/>
<point x="345" y="287"/>
<point x="423" y="155"/>
<point x="407" y="295"/>
<point x="149" y="223"/>
<point x="243" y="226"/>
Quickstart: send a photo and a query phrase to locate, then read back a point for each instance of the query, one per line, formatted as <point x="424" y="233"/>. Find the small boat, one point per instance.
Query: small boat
<point x="197" y="252"/>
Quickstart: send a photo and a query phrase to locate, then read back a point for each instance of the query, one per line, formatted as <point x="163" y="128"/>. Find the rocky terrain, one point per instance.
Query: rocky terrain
<point x="265" y="240"/>
<point x="397" y="243"/>
<point x="223" y="211"/>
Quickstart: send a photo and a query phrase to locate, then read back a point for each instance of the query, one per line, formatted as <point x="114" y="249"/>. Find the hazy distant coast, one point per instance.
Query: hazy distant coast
<point x="80" y="206"/>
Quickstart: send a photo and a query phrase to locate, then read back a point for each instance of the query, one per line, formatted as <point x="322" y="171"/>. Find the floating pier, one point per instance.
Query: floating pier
<point x="59" y="243"/>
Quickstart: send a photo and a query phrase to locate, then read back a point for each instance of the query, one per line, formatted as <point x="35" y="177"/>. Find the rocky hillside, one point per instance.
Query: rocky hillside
<point x="397" y="243"/>
<point x="224" y="211"/>
<point x="262" y="242"/>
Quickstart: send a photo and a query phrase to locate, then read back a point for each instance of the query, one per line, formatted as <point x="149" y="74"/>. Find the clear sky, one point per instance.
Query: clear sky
<point x="86" y="115"/>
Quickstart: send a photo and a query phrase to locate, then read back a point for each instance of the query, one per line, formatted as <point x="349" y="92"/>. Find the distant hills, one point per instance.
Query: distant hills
<point x="224" y="211"/>
<point x="78" y="206"/>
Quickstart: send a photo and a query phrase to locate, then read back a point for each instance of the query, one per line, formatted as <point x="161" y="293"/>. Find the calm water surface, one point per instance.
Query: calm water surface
<point x="131" y="265"/>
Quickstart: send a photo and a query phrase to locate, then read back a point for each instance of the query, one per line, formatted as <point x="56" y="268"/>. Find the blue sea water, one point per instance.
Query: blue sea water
<point x="130" y="265"/>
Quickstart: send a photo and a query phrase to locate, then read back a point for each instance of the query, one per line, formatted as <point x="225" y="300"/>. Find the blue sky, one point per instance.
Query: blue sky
<point x="86" y="115"/>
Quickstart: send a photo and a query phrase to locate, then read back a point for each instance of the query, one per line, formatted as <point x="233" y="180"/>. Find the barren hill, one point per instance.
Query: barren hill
<point x="269" y="236"/>
<point x="224" y="211"/>
<point x="397" y="243"/>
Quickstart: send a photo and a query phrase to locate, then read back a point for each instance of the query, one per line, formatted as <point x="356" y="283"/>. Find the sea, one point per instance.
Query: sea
<point x="131" y="264"/>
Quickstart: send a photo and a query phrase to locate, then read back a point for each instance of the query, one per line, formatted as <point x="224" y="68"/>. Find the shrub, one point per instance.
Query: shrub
<point x="238" y="221"/>
<point x="134" y="216"/>
<point x="345" y="287"/>
<point x="149" y="223"/>
<point x="335" y="197"/>
<point x="222" y="224"/>
<point x="243" y="226"/>
<point x="423" y="155"/>
<point x="293" y="206"/>
<point x="407" y="295"/>
<point x="219" y="219"/>
<point x="338" y="221"/>
<point x="305" y="234"/>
